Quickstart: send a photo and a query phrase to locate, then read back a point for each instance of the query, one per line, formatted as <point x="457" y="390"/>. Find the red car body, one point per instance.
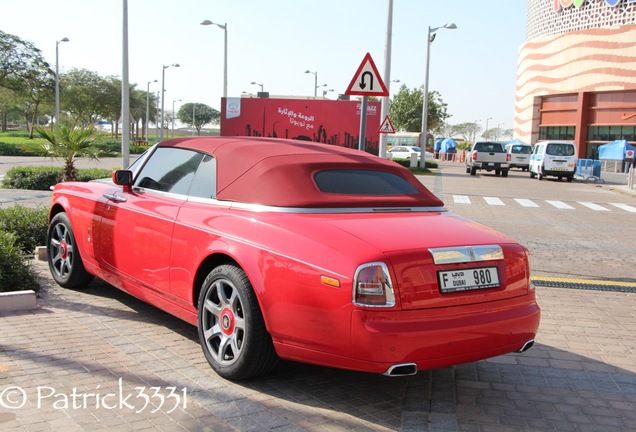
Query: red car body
<point x="338" y="265"/>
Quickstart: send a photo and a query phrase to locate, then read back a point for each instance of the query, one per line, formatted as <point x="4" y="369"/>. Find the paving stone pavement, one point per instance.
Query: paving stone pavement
<point x="100" y="360"/>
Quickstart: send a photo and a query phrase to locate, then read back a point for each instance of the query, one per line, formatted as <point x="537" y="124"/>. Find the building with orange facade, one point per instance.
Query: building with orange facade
<point x="576" y="74"/>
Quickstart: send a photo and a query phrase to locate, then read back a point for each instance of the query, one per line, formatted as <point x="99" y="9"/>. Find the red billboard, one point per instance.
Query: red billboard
<point x="320" y="120"/>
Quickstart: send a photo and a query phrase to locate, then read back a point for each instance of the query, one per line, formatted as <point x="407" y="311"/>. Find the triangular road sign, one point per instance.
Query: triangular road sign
<point x="367" y="80"/>
<point x="387" y="126"/>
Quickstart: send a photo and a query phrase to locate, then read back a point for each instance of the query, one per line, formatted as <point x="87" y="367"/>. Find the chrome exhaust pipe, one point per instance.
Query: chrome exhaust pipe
<point x="401" y="369"/>
<point x="526" y="346"/>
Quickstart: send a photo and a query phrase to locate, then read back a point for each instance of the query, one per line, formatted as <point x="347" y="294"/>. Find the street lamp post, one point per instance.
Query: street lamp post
<point x="178" y="100"/>
<point x="148" y="106"/>
<point x="224" y="28"/>
<point x="163" y="90"/>
<point x="324" y="92"/>
<point x="315" y="81"/>
<point x="429" y="39"/>
<point x="57" y="78"/>
<point x="255" y="83"/>
<point x="485" y="134"/>
<point x="156" y="114"/>
<point x="193" y="118"/>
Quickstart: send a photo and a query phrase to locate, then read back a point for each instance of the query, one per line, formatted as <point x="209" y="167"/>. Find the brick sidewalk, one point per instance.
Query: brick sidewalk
<point x="580" y="376"/>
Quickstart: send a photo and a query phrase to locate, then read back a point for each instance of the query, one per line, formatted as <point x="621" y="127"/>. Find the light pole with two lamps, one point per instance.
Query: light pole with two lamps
<point x="224" y="28"/>
<point x="148" y="106"/>
<point x="485" y="134"/>
<point x="315" y="81"/>
<point x="163" y="91"/>
<point x="255" y="83"/>
<point x="173" y="115"/>
<point x="57" y="78"/>
<point x="423" y="138"/>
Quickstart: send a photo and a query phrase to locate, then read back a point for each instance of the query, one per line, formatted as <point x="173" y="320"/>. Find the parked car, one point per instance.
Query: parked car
<point x="519" y="155"/>
<point x="405" y="152"/>
<point x="553" y="158"/>
<point x="489" y="156"/>
<point x="280" y="249"/>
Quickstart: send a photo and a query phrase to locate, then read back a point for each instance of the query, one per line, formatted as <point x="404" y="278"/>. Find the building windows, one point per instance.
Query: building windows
<point x="611" y="133"/>
<point x="556" y="133"/>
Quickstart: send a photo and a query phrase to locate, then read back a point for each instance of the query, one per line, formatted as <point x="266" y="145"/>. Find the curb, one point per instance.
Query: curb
<point x="586" y="284"/>
<point x="17" y="301"/>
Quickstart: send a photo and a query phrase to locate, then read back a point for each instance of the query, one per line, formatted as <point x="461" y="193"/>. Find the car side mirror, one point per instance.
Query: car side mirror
<point x="123" y="178"/>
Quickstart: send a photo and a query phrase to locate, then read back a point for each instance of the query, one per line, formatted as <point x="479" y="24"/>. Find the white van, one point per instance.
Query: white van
<point x="519" y="155"/>
<point x="553" y="158"/>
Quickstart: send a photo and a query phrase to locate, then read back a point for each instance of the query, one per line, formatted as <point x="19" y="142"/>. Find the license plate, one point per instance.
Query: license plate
<point x="468" y="279"/>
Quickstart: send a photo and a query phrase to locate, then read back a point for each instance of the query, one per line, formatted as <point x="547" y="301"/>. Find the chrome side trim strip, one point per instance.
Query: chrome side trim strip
<point x="312" y="210"/>
<point x="466" y="254"/>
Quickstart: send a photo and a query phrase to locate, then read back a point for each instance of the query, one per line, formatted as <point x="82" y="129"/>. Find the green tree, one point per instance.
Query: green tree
<point x="17" y="59"/>
<point x="86" y="95"/>
<point x="38" y="89"/>
<point x="467" y="131"/>
<point x="203" y="115"/>
<point x="406" y="110"/>
<point x="69" y="142"/>
<point x="9" y="107"/>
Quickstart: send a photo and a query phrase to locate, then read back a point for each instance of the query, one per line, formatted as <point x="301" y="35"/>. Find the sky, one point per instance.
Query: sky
<point x="274" y="42"/>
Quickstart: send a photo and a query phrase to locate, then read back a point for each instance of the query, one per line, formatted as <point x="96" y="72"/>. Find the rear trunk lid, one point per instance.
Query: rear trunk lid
<point x="441" y="259"/>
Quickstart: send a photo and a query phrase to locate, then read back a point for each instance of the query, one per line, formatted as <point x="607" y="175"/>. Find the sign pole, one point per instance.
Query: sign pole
<point x="363" y="124"/>
<point x="366" y="82"/>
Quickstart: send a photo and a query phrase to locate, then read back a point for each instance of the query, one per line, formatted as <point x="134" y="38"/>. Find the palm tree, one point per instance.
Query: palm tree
<point x="69" y="142"/>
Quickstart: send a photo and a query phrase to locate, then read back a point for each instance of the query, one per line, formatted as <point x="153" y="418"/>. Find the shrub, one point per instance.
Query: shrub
<point x="88" y="174"/>
<point x="16" y="273"/>
<point x="407" y="163"/>
<point x="32" y="178"/>
<point x="27" y="149"/>
<point x="28" y="225"/>
<point x="42" y="178"/>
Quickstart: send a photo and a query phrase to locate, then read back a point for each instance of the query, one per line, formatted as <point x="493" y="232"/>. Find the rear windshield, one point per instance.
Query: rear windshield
<point x="489" y="147"/>
<point x="557" y="149"/>
<point x="363" y="182"/>
<point x="521" y="149"/>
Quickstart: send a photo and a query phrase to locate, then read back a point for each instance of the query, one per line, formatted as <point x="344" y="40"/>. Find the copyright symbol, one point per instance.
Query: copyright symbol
<point x="13" y="398"/>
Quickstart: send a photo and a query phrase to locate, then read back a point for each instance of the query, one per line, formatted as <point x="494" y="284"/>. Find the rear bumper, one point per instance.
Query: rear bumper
<point x="444" y="337"/>
<point x="558" y="172"/>
<point x="491" y="165"/>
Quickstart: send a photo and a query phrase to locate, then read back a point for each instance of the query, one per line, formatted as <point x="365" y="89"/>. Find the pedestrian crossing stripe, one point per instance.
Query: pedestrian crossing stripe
<point x="624" y="207"/>
<point x="560" y="205"/>
<point x="526" y="202"/>
<point x="494" y="201"/>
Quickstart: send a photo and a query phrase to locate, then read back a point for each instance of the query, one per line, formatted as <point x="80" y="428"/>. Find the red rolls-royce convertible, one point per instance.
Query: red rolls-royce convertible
<point x="297" y="250"/>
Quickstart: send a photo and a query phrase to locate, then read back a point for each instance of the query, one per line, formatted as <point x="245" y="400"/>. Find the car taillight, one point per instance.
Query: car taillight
<point x="474" y="155"/>
<point x="508" y="157"/>
<point x="372" y="286"/>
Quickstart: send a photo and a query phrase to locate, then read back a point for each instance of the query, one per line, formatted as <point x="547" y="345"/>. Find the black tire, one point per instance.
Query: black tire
<point x="531" y="174"/>
<point x="497" y="172"/>
<point x="65" y="261"/>
<point x="467" y="169"/>
<point x="570" y="178"/>
<point x="540" y="176"/>
<point x="232" y="332"/>
<point x="473" y="171"/>
<point x="504" y="173"/>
